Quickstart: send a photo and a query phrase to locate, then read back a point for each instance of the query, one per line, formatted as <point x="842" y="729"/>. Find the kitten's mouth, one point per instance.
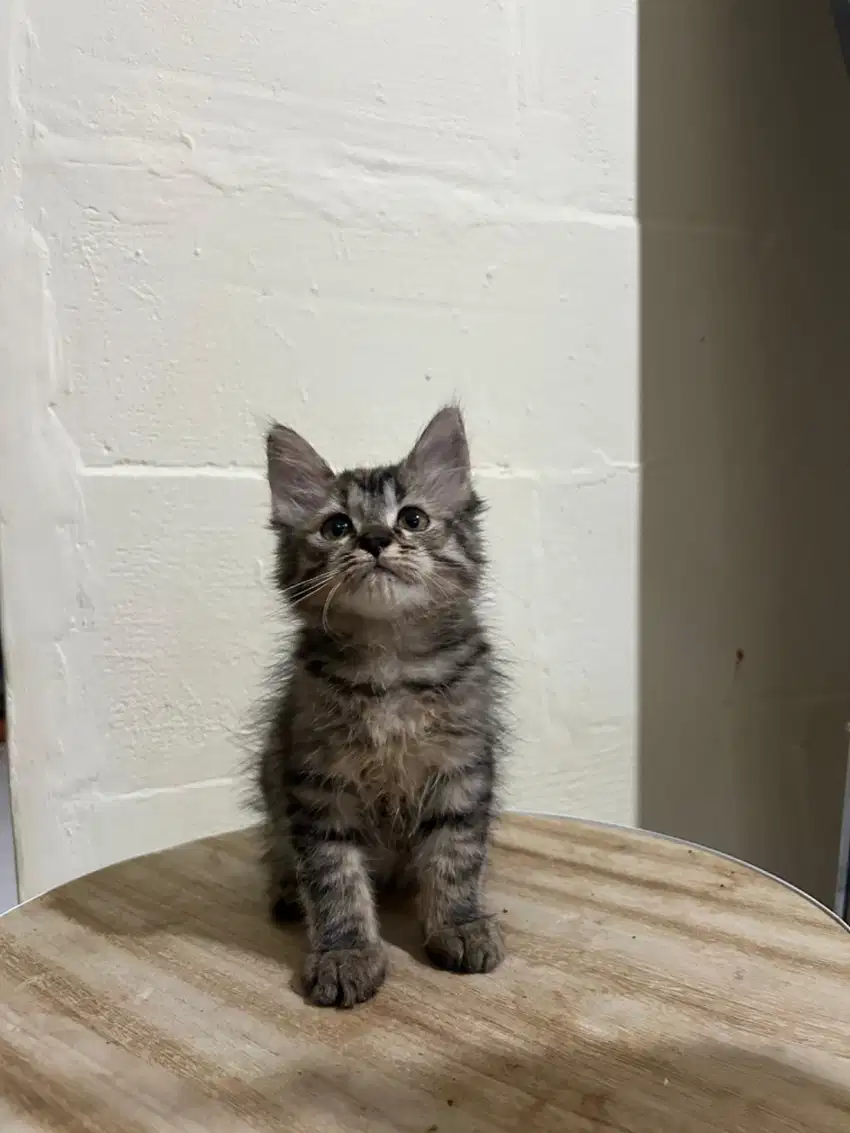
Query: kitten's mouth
<point x="380" y="589"/>
<point x="380" y="572"/>
<point x="380" y="580"/>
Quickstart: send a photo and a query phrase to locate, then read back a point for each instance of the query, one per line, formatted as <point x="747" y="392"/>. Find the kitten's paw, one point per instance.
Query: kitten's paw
<point x="471" y="948"/>
<point x="344" y="978"/>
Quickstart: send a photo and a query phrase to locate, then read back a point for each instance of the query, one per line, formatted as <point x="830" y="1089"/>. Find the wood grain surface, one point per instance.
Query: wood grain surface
<point x="650" y="988"/>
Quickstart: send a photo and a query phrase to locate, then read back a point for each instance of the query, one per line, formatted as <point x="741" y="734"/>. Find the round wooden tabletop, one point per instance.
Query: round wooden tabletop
<point x="650" y="988"/>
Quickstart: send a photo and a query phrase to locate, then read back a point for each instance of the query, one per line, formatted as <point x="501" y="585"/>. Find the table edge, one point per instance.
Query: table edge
<point x="635" y="832"/>
<point x="656" y="835"/>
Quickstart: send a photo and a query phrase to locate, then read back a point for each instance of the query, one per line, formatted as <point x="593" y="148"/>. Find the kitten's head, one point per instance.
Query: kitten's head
<point x="376" y="542"/>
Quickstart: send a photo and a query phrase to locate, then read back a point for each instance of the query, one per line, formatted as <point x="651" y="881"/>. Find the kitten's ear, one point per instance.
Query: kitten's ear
<point x="439" y="461"/>
<point x="298" y="477"/>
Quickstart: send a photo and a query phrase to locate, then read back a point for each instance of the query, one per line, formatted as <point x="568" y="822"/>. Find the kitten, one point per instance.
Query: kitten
<point x="380" y="761"/>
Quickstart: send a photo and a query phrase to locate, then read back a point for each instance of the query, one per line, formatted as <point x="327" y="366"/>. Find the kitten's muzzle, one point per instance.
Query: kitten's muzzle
<point x="374" y="540"/>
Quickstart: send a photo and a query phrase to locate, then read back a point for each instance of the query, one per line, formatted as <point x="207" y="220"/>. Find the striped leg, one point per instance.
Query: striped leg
<point x="347" y="961"/>
<point x="451" y="858"/>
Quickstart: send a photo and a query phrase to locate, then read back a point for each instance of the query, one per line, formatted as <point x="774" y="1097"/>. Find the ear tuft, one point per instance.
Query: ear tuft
<point x="299" y="478"/>
<point x="439" y="461"/>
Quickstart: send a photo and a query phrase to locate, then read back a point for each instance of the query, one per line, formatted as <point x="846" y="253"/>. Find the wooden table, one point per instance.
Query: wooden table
<point x="651" y="988"/>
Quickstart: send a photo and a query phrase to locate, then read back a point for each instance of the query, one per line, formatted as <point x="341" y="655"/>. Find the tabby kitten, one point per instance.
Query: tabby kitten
<point x="380" y="761"/>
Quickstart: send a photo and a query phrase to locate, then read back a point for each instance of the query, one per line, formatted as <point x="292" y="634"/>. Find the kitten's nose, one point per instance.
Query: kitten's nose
<point x="374" y="540"/>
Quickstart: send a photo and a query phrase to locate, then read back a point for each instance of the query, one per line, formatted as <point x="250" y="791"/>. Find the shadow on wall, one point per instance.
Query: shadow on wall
<point x="744" y="202"/>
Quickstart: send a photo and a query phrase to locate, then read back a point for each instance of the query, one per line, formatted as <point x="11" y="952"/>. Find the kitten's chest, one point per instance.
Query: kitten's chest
<point x="392" y="722"/>
<point x="395" y="742"/>
<point x="395" y="745"/>
<point x="397" y="719"/>
<point x="388" y="703"/>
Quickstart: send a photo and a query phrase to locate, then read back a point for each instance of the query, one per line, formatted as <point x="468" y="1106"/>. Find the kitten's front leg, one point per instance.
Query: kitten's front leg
<point x="451" y="858"/>
<point x="347" y="962"/>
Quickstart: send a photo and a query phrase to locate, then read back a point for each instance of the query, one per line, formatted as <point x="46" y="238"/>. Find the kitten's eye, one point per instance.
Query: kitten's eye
<point x="413" y="519"/>
<point x="337" y="527"/>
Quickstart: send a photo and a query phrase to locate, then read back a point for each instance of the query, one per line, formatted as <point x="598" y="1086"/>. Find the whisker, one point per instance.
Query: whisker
<point x="341" y="571"/>
<point x="317" y="579"/>
<point x="306" y="594"/>
<point x="312" y="592"/>
<point x="326" y="607"/>
<point x="293" y="602"/>
<point x="307" y="582"/>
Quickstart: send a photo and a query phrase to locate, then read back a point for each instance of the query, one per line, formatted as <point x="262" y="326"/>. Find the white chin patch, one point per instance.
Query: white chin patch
<point x="381" y="594"/>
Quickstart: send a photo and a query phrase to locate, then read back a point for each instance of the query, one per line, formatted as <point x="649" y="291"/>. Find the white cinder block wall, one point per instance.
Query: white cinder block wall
<point x="343" y="213"/>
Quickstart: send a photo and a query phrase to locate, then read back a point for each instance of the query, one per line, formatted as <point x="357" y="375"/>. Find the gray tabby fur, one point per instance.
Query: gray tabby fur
<point x="380" y="759"/>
